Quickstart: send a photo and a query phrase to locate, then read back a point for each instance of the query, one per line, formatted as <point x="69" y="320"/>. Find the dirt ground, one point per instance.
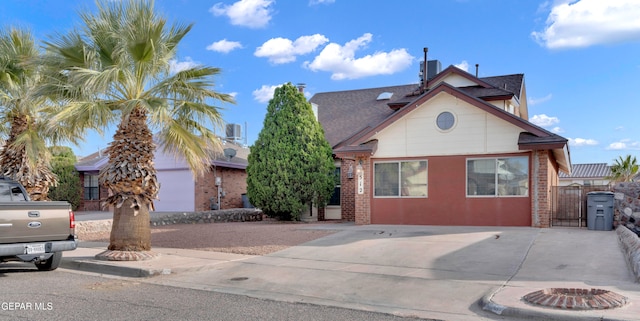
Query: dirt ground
<point x="254" y="238"/>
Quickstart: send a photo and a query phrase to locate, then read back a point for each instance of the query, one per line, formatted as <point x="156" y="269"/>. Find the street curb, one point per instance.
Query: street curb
<point x="96" y="266"/>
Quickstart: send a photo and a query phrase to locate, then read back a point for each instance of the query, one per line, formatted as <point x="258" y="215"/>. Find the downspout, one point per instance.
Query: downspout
<point x="536" y="170"/>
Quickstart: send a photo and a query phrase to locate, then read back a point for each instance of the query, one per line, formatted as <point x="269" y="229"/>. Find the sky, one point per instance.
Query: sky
<point x="581" y="59"/>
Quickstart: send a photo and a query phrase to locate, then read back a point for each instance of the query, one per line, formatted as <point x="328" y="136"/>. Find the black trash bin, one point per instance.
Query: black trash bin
<point x="600" y="211"/>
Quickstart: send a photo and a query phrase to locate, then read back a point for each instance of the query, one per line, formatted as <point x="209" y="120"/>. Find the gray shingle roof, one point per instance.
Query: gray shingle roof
<point x="344" y="113"/>
<point x="598" y="170"/>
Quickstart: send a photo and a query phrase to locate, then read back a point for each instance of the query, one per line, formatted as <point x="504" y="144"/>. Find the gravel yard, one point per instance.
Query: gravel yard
<point x="254" y="238"/>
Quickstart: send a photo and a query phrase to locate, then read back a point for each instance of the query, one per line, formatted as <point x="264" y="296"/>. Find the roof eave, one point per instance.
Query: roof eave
<point x="352" y="151"/>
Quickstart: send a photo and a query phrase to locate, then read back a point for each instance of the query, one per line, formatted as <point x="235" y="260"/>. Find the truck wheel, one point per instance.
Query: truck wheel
<point x="50" y="264"/>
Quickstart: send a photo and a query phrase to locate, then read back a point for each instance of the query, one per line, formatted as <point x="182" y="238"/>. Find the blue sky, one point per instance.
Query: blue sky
<point x="580" y="58"/>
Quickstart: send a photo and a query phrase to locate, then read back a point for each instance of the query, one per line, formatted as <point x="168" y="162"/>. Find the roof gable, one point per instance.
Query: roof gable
<point x="456" y="77"/>
<point x="444" y="87"/>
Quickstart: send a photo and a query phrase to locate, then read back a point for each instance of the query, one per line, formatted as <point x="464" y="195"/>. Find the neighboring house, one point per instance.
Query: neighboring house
<point x="458" y="150"/>
<point x="220" y="188"/>
<point x="587" y="175"/>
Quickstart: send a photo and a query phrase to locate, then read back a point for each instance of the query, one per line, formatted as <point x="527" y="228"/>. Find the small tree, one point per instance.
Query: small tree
<point x="62" y="164"/>
<point x="290" y="164"/>
<point x="624" y="169"/>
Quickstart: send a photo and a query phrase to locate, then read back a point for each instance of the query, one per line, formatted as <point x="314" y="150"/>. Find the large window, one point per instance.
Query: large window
<point x="507" y="176"/>
<point x="400" y="179"/>
<point x="91" y="187"/>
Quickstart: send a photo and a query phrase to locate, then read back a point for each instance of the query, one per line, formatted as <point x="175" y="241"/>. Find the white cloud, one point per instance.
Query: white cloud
<point x="282" y="50"/>
<point x="248" y="13"/>
<point x="224" y="46"/>
<point x="582" y="142"/>
<point x="464" y="65"/>
<point x="342" y="63"/>
<point x="233" y="94"/>
<point x="176" y="66"/>
<point x="315" y="2"/>
<point x="575" y="24"/>
<point x="536" y="101"/>
<point x="543" y="120"/>
<point x="264" y="93"/>
<point x="624" y="144"/>
<point x="557" y="130"/>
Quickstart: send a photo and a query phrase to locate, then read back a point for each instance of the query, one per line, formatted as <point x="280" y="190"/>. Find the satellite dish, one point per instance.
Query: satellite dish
<point x="229" y="153"/>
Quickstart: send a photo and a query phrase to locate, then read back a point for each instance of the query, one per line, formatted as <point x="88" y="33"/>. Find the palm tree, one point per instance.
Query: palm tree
<point x="116" y="69"/>
<point x="24" y="115"/>
<point x="624" y="169"/>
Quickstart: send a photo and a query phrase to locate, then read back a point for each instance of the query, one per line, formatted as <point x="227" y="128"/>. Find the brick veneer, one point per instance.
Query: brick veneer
<point x="545" y="176"/>
<point x="348" y="191"/>
<point x="362" y="201"/>
<point x="234" y="184"/>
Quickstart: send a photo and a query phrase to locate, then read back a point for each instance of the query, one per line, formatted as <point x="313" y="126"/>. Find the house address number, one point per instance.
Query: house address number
<point x="360" y="182"/>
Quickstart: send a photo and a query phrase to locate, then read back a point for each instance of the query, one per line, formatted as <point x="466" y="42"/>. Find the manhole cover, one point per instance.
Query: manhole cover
<point x="241" y="278"/>
<point x="576" y="299"/>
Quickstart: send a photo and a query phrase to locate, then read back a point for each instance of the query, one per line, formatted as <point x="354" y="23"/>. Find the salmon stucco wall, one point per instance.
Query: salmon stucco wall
<point x="447" y="202"/>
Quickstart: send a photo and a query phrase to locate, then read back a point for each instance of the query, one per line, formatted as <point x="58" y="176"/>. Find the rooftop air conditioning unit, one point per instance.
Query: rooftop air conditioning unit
<point x="234" y="132"/>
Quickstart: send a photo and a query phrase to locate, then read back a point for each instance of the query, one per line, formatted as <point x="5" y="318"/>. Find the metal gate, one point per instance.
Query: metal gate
<point x="569" y="204"/>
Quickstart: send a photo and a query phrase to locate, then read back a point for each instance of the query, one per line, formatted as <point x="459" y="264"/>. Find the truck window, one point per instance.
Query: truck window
<point x="17" y="194"/>
<point x="5" y="193"/>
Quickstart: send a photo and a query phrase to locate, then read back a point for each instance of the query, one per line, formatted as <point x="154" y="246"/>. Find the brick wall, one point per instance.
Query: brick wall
<point x="545" y="175"/>
<point x="234" y="184"/>
<point x="348" y="191"/>
<point x="363" y="201"/>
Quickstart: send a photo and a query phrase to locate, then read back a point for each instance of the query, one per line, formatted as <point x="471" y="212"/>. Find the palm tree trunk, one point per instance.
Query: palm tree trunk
<point x="130" y="232"/>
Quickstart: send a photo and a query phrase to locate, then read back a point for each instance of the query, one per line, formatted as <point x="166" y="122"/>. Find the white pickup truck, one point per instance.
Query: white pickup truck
<point x="33" y="231"/>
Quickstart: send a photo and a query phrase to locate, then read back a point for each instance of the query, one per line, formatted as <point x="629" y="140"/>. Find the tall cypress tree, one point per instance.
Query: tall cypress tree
<point x="290" y="164"/>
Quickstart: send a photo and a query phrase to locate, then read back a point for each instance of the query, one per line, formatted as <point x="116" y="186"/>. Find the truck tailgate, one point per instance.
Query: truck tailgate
<point x="34" y="221"/>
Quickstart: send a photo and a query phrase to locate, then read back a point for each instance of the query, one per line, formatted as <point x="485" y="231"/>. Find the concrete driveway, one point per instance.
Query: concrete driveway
<point x="447" y="273"/>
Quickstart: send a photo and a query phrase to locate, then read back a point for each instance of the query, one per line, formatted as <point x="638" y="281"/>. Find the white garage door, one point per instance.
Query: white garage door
<point x="177" y="191"/>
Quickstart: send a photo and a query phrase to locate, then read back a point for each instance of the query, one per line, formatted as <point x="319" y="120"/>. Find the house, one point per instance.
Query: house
<point x="587" y="175"/>
<point x="220" y="188"/>
<point x="455" y="150"/>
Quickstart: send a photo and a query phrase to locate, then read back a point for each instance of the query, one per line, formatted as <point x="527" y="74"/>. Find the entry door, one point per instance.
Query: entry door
<point x="333" y="210"/>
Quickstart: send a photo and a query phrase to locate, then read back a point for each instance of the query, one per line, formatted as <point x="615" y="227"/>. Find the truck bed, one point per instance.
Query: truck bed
<point x="30" y="221"/>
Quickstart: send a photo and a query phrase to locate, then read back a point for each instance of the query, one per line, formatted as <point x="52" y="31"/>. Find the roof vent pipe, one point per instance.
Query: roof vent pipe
<point x="477" y="65"/>
<point x="426" y="71"/>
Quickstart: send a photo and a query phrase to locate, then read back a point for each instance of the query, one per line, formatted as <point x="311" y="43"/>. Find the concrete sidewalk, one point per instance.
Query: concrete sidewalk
<point x="448" y="273"/>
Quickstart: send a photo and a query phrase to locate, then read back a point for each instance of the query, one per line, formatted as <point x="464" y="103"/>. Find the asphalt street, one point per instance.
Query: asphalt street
<point x="70" y="295"/>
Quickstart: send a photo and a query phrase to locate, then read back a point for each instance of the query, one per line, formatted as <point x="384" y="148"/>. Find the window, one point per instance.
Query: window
<point x="91" y="187"/>
<point x="335" y="197"/>
<point x="400" y="179"/>
<point x="498" y="176"/>
<point x="445" y="121"/>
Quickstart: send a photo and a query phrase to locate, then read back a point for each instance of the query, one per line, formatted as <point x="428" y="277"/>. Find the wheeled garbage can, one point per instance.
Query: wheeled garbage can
<point x="600" y="211"/>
